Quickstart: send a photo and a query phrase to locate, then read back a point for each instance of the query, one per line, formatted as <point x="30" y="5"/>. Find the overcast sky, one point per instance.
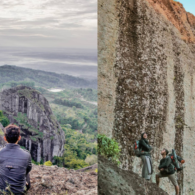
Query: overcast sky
<point x="48" y="23"/>
<point x="53" y="35"/>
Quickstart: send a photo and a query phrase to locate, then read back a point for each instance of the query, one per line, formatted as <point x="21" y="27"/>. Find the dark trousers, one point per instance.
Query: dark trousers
<point x="27" y="186"/>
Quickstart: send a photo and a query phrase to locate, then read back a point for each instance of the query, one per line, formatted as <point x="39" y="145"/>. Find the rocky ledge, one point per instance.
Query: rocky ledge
<point x="60" y="181"/>
<point x="113" y="180"/>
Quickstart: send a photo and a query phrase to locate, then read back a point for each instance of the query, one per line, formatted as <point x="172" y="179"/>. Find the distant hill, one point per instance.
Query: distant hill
<point x="41" y="78"/>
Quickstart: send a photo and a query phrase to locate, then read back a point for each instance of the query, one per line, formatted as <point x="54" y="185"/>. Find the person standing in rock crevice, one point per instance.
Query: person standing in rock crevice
<point x="146" y="157"/>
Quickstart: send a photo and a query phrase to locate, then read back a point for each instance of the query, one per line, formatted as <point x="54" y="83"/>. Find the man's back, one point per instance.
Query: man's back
<point x="15" y="163"/>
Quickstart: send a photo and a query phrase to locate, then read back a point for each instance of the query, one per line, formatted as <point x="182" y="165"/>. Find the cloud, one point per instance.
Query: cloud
<point x="47" y="23"/>
<point x="76" y="62"/>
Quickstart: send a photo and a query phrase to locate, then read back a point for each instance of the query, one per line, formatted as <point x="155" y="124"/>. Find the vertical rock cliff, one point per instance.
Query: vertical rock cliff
<point x="41" y="133"/>
<point x="146" y="80"/>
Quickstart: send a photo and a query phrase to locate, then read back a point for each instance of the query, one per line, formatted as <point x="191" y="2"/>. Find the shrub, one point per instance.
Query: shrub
<point x="48" y="163"/>
<point x="108" y="148"/>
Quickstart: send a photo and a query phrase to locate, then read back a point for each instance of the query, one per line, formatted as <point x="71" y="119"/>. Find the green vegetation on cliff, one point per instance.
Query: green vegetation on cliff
<point x="3" y="119"/>
<point x="108" y="148"/>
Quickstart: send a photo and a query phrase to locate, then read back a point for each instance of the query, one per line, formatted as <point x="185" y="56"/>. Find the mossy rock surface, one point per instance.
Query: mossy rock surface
<point x="30" y="94"/>
<point x="1" y="132"/>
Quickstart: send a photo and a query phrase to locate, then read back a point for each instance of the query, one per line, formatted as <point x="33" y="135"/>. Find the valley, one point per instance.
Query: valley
<point x="73" y="108"/>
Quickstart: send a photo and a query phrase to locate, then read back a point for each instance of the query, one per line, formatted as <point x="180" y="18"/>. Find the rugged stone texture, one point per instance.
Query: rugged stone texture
<point x="2" y="141"/>
<point x="148" y="83"/>
<point x="60" y="181"/>
<point x="113" y="180"/>
<point x="107" y="38"/>
<point x="41" y="133"/>
<point x="177" y="15"/>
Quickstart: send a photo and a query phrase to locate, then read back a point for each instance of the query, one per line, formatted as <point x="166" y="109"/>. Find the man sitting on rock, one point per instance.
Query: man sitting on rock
<point x="167" y="169"/>
<point x="15" y="163"/>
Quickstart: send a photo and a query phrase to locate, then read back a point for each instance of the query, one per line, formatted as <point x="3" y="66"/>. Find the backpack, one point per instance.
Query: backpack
<point x="137" y="149"/>
<point x="175" y="161"/>
<point x="170" y="168"/>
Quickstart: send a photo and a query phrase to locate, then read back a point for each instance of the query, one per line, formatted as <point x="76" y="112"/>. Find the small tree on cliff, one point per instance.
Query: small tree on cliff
<point x="108" y="148"/>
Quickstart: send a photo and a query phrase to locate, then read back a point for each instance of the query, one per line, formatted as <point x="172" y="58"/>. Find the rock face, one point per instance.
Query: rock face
<point x="41" y="133"/>
<point x="2" y="141"/>
<point x="146" y="81"/>
<point x="112" y="180"/>
<point x="177" y="15"/>
<point x="57" y="180"/>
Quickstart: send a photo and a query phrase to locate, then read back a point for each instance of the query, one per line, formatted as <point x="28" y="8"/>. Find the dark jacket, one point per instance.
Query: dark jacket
<point x="145" y="147"/>
<point x="15" y="164"/>
<point x="166" y="164"/>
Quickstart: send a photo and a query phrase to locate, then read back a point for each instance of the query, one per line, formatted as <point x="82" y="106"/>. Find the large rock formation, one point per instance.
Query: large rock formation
<point x="146" y="80"/>
<point x="113" y="180"/>
<point x="41" y="133"/>
<point x="61" y="181"/>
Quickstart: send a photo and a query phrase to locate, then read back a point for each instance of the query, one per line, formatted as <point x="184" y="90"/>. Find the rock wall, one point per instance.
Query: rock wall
<point x="41" y="133"/>
<point x="148" y="81"/>
<point x="107" y="38"/>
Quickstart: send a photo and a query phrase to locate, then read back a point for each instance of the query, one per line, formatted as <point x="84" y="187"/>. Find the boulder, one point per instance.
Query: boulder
<point x="113" y="180"/>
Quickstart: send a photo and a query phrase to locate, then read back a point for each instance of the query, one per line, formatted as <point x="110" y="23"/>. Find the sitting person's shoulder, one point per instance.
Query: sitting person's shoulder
<point x="2" y="148"/>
